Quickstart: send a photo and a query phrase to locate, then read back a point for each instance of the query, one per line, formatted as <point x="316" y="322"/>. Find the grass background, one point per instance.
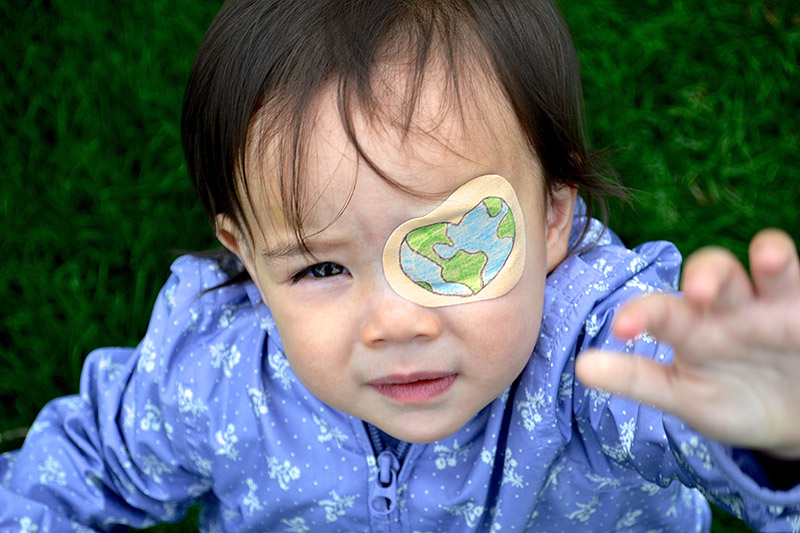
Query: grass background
<point x="697" y="99"/>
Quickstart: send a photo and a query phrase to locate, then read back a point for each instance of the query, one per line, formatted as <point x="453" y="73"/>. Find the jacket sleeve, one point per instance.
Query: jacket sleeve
<point x="659" y="446"/>
<point x="119" y="452"/>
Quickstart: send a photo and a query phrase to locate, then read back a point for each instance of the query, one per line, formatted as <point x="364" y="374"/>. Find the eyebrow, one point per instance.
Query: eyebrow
<point x="282" y="250"/>
<point x="293" y="249"/>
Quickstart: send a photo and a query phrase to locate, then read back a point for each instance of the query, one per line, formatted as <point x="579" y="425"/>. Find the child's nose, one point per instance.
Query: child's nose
<point x="391" y="318"/>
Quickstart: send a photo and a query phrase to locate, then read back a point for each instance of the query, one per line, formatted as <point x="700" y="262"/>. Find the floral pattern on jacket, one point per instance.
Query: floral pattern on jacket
<point x="207" y="408"/>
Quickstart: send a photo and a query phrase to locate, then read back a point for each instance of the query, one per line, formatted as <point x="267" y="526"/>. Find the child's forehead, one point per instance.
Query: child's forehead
<point x="442" y="109"/>
<point x="436" y="124"/>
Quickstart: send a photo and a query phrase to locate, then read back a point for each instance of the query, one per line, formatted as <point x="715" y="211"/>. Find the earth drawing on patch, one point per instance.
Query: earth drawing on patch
<point x="460" y="259"/>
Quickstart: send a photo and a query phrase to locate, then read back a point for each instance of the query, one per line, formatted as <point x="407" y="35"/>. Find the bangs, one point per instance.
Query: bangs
<point x="379" y="75"/>
<point x="262" y="68"/>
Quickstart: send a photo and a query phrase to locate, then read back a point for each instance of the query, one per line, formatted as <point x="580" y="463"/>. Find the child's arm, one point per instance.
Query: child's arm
<point x="119" y="451"/>
<point x="736" y="372"/>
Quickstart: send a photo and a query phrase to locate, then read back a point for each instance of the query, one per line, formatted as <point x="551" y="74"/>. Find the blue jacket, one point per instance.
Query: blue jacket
<point x="206" y="408"/>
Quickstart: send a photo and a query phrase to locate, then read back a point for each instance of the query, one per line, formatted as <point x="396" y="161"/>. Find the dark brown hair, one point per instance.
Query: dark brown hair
<point x="271" y="59"/>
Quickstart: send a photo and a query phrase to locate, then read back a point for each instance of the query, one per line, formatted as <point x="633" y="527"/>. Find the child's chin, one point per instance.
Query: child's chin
<point x="419" y="433"/>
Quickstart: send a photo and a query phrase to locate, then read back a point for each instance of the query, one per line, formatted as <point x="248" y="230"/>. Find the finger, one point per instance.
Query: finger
<point x="714" y="278"/>
<point x="635" y="377"/>
<point x="774" y="265"/>
<point x="665" y="316"/>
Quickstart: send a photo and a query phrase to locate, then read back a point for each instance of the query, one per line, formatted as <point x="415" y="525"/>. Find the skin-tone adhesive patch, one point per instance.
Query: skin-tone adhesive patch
<point x="470" y="248"/>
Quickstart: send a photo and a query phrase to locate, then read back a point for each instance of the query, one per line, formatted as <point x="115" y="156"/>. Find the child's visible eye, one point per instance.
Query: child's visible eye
<point x="320" y="270"/>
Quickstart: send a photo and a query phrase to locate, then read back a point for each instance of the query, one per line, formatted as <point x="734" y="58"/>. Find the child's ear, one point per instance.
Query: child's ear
<point x="560" y="207"/>
<point x="232" y="237"/>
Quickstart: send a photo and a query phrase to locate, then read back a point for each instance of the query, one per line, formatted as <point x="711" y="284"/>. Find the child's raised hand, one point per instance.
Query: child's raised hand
<point x="736" y="372"/>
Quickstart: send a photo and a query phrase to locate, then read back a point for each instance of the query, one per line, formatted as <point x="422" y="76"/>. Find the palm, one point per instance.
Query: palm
<point x="736" y="372"/>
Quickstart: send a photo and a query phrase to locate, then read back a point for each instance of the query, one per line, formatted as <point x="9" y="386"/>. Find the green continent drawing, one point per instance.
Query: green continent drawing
<point x="460" y="259"/>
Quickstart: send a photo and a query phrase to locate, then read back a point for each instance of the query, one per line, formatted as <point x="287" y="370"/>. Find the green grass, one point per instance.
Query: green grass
<point x="697" y="100"/>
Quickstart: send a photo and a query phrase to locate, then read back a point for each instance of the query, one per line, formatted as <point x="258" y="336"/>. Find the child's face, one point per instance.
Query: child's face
<point x="345" y="332"/>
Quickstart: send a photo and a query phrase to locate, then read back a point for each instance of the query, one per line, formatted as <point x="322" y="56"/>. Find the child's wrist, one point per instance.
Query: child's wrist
<point x="782" y="469"/>
<point x="783" y="454"/>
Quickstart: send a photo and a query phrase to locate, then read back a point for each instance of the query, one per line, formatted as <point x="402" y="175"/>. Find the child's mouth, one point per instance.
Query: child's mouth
<point x="414" y="388"/>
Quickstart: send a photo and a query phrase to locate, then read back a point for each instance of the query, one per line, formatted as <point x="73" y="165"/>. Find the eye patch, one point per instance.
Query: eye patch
<point x="470" y="248"/>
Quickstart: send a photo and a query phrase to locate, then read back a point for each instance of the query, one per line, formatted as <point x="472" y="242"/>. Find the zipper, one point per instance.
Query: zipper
<point x="383" y="494"/>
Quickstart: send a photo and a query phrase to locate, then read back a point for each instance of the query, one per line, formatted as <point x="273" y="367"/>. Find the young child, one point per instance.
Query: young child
<point x="390" y="343"/>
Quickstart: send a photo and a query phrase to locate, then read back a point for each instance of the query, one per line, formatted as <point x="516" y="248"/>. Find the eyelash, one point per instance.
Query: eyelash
<point x="313" y="271"/>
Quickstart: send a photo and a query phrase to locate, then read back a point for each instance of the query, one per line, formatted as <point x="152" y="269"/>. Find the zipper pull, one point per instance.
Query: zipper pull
<point x="383" y="496"/>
